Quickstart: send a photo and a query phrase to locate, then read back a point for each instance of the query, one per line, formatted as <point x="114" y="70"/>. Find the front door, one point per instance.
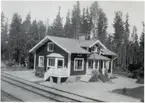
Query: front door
<point x="90" y="67"/>
<point x="60" y="63"/>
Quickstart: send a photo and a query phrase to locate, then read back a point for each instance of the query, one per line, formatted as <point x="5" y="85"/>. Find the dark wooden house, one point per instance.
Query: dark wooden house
<point x="58" y="57"/>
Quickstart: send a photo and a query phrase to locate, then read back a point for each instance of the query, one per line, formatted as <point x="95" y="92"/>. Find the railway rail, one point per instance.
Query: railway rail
<point x="47" y="92"/>
<point x="9" y="97"/>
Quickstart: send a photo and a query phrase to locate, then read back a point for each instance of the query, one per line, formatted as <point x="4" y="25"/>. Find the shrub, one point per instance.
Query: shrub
<point x="10" y="63"/>
<point x="94" y="77"/>
<point x="39" y="73"/>
<point x="30" y="65"/>
<point x="142" y="100"/>
<point x="124" y="90"/>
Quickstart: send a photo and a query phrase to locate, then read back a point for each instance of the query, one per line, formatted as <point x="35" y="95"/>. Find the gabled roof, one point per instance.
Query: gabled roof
<point x="90" y="43"/>
<point x="108" y="52"/>
<point x="98" y="57"/>
<point x="87" y="43"/>
<point x="69" y="45"/>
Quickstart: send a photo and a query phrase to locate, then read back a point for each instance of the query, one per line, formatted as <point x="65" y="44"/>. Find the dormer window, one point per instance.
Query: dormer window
<point x="98" y="50"/>
<point x="50" y="47"/>
<point x="93" y="49"/>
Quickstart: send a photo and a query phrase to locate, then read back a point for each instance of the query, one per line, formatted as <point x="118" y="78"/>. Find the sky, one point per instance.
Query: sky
<point x="41" y="10"/>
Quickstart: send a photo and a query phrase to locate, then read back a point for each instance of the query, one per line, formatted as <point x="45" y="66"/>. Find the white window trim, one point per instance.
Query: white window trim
<point x="48" y="62"/>
<point x="60" y="59"/>
<point x="39" y="61"/>
<point x="48" y="46"/>
<point x="82" y="64"/>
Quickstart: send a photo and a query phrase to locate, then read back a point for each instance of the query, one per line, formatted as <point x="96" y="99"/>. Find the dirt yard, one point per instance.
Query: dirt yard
<point x="99" y="90"/>
<point x="96" y="90"/>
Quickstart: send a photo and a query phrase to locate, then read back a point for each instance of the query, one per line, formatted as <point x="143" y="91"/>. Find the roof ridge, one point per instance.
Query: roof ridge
<point x="61" y="37"/>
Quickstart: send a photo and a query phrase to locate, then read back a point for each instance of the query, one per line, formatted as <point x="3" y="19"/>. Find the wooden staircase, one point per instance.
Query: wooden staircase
<point x="47" y="75"/>
<point x="86" y="78"/>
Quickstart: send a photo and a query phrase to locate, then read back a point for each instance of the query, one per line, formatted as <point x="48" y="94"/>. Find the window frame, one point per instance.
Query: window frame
<point x="48" y="47"/>
<point x="48" y="61"/>
<point x="62" y="63"/>
<point x="82" y="64"/>
<point x="39" y="61"/>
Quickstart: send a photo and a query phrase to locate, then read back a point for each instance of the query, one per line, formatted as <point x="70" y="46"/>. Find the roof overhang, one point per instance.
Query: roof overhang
<point x="56" y="55"/>
<point x="108" y="52"/>
<point x="38" y="45"/>
<point x="42" y="43"/>
<point x="97" y="57"/>
<point x="98" y="41"/>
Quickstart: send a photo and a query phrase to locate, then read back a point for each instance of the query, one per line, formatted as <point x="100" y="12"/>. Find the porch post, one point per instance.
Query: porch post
<point x="69" y="63"/>
<point x="103" y="63"/>
<point x="56" y="60"/>
<point x="93" y="64"/>
<point x="87" y="66"/>
<point x="34" y="61"/>
<point x="103" y="69"/>
<point x="58" y="80"/>
<point x="98" y="66"/>
<point x="51" y="80"/>
<point x="111" y="67"/>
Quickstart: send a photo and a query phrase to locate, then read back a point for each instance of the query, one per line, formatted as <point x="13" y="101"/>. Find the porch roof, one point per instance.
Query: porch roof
<point x="56" y="55"/>
<point x="108" y="52"/>
<point x="98" y="57"/>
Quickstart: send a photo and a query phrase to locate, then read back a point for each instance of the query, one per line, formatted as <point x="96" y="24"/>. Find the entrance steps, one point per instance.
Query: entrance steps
<point x="86" y="78"/>
<point x="94" y="78"/>
<point x="72" y="79"/>
<point x="103" y="78"/>
<point x="46" y="75"/>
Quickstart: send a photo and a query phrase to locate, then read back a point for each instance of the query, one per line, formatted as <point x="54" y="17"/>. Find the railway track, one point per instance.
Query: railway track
<point x="9" y="97"/>
<point x="51" y="93"/>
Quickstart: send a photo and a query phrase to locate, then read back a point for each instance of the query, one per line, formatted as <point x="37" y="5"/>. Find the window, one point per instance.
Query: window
<point x="90" y="64"/>
<point x="41" y="61"/>
<point x="50" y="47"/>
<point x="60" y="63"/>
<point x="98" y="50"/>
<point x="93" y="48"/>
<point x="79" y="64"/>
<point x="50" y="62"/>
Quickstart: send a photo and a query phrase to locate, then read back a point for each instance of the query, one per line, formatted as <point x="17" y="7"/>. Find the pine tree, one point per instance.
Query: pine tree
<point x="16" y="38"/>
<point x="68" y="26"/>
<point x="109" y="42"/>
<point x="134" y="46"/>
<point x="102" y="26"/>
<point x="94" y="9"/>
<point x="118" y="35"/>
<point x="4" y="37"/>
<point x="57" y="28"/>
<point x="41" y="30"/>
<point x="126" y="42"/>
<point x="89" y="21"/>
<point x="26" y="32"/>
<point x="141" y="47"/>
<point x="76" y="19"/>
<point x="86" y="22"/>
<point x="34" y="38"/>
